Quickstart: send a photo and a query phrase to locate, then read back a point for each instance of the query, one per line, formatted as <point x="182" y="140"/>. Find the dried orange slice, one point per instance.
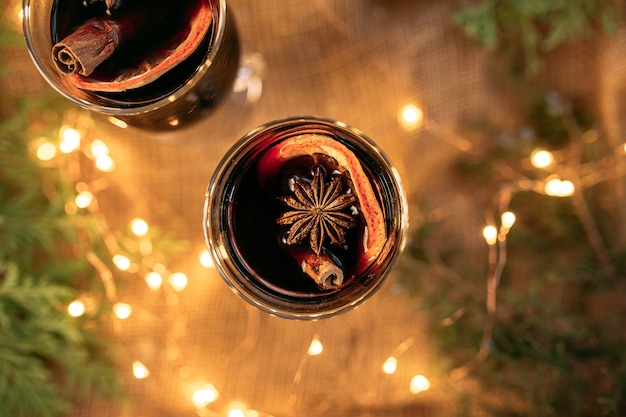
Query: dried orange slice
<point x="310" y="144"/>
<point x="163" y="59"/>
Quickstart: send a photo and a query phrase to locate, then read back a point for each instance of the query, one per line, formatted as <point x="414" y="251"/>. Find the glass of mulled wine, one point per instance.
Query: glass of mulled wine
<point x="304" y="217"/>
<point x="154" y="64"/>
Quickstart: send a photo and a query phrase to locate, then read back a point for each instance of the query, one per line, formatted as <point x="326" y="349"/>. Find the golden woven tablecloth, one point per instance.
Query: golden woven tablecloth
<point x="358" y="61"/>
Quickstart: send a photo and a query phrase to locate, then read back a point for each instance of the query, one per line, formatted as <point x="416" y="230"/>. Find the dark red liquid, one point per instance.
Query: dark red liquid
<point x="152" y="40"/>
<point x="260" y="240"/>
<point x="207" y="91"/>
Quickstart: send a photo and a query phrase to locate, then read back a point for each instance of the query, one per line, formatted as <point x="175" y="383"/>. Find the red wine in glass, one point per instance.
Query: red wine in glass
<point x="305" y="217"/>
<point x="172" y="62"/>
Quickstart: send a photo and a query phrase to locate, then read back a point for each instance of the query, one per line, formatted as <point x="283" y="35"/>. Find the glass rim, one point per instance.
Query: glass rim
<point x="124" y="109"/>
<point x="304" y="308"/>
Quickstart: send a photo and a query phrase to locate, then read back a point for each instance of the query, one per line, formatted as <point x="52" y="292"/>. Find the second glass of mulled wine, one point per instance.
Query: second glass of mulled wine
<point x="154" y="64"/>
<point x="305" y="217"/>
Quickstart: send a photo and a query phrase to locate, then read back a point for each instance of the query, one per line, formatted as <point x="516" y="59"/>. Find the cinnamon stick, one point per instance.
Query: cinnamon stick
<point x="94" y="41"/>
<point x="87" y="47"/>
<point x="320" y="268"/>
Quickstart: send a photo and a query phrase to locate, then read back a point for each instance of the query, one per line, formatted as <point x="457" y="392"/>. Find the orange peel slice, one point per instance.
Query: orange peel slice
<point x="310" y="144"/>
<point x="153" y="67"/>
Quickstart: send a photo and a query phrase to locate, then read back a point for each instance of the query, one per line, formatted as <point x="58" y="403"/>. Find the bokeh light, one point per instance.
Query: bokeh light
<point x="46" y="151"/>
<point x="508" y="219"/>
<point x="316" y="347"/>
<point x="154" y="280"/>
<point x="139" y="226"/>
<point x="84" y="199"/>
<point x="205" y="259"/>
<point x="121" y="262"/>
<point x="490" y="233"/>
<point x="541" y="158"/>
<point x="76" y="308"/>
<point x="205" y="395"/>
<point x="410" y="116"/>
<point x="390" y="365"/>
<point x="140" y="371"/>
<point x="419" y="383"/>
<point x="70" y="139"/>
<point x="122" y="310"/>
<point x="178" y="281"/>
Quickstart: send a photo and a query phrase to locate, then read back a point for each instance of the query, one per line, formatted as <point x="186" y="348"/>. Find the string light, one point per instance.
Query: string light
<point x="204" y="396"/>
<point x="70" y="139"/>
<point x="316" y="347"/>
<point x="237" y="409"/>
<point x="541" y="158"/>
<point x="76" y="308"/>
<point x="140" y="371"/>
<point x="178" y="281"/>
<point x="205" y="259"/>
<point x="508" y="219"/>
<point x="121" y="262"/>
<point x="84" y="199"/>
<point x="490" y="233"/>
<point x="46" y="151"/>
<point x="139" y="227"/>
<point x="390" y="365"/>
<point x="555" y="187"/>
<point x="99" y="149"/>
<point x="154" y="280"/>
<point x="105" y="163"/>
<point x="410" y="116"/>
<point x="419" y="383"/>
<point x="122" y="310"/>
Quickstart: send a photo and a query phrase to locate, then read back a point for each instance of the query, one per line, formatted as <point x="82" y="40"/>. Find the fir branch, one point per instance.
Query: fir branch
<point x="555" y="343"/>
<point x="525" y="29"/>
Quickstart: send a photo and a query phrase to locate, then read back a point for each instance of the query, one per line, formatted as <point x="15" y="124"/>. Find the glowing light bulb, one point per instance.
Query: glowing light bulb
<point x="122" y="262"/>
<point x="508" y="219"/>
<point x="99" y="149"/>
<point x="390" y="365"/>
<point x="139" y="226"/>
<point x="178" y="281"/>
<point x="154" y="280"/>
<point x="205" y="395"/>
<point x="122" y="310"/>
<point x="105" y="163"/>
<point x="556" y="188"/>
<point x="76" y="308"/>
<point x="46" y="151"/>
<point x="566" y="188"/>
<point x="140" y="371"/>
<point x="490" y="233"/>
<point x="552" y="186"/>
<point x="237" y="409"/>
<point x="410" y="116"/>
<point x="173" y="122"/>
<point x="419" y="383"/>
<point x="541" y="158"/>
<point x="316" y="347"/>
<point x="205" y="259"/>
<point x="70" y="139"/>
<point x="84" y="199"/>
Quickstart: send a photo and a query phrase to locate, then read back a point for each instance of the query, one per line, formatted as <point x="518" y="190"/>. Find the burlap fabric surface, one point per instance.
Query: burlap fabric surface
<point x="358" y="61"/>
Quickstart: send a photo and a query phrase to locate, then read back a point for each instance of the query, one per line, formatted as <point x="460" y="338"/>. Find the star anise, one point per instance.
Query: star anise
<point x="317" y="211"/>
